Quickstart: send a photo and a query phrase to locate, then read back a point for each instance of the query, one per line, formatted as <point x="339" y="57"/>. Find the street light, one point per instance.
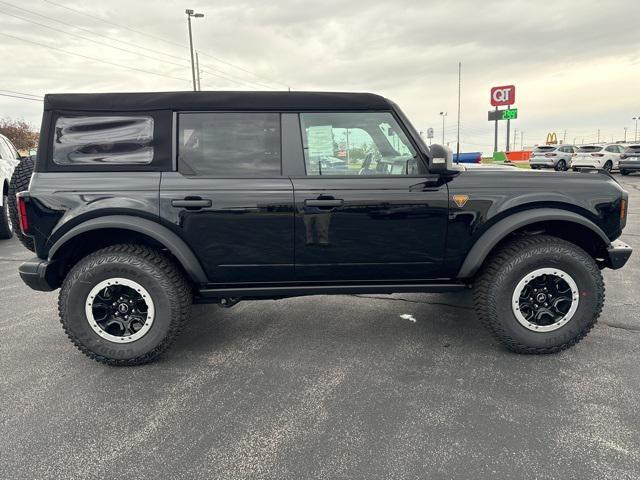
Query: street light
<point x="444" y="114"/>
<point x="635" y="137"/>
<point x="190" y="14"/>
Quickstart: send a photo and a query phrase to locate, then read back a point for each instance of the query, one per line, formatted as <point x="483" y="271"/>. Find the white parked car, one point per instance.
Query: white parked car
<point x="606" y="157"/>
<point x="557" y="157"/>
<point x="9" y="158"/>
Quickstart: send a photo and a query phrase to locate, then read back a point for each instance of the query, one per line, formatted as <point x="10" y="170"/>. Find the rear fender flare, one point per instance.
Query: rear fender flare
<point x="158" y="232"/>
<point x="489" y="239"/>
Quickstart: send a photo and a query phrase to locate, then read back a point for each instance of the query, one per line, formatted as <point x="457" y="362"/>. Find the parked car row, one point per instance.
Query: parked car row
<point x="609" y="157"/>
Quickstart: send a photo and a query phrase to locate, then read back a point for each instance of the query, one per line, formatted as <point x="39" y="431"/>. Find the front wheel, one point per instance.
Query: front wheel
<point x="124" y="305"/>
<point x="539" y="294"/>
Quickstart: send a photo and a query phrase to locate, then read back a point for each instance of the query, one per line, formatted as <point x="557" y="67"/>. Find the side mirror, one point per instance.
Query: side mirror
<point x="441" y="160"/>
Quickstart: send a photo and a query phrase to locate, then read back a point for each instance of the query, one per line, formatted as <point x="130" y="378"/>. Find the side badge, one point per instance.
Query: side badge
<point x="460" y="200"/>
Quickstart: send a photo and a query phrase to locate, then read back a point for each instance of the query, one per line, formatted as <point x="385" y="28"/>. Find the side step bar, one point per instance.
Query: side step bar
<point x="212" y="294"/>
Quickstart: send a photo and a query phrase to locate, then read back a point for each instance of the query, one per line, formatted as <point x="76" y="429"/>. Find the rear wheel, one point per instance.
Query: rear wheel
<point x="561" y="166"/>
<point x="608" y="166"/>
<point x="539" y="294"/>
<point x="19" y="183"/>
<point x="124" y="305"/>
<point x="624" y="172"/>
<point x="6" y="227"/>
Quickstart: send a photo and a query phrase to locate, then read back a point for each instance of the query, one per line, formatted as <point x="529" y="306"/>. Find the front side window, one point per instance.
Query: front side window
<point x="229" y="144"/>
<point x="356" y="143"/>
<point x="103" y="140"/>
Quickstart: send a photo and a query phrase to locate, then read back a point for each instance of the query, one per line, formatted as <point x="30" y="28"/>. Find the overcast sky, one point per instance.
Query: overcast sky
<point x="575" y="64"/>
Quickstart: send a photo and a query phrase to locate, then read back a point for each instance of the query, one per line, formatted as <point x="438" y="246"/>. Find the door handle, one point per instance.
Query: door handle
<point x="324" y="203"/>
<point x="191" y="203"/>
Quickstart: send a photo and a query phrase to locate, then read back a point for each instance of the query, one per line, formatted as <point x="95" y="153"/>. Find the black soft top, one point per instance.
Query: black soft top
<point x="118" y="102"/>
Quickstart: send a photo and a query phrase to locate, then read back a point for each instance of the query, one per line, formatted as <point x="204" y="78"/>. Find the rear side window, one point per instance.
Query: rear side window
<point x="229" y="144"/>
<point x="103" y="140"/>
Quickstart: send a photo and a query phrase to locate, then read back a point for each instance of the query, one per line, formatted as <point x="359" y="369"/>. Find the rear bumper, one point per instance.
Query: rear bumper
<point x="629" y="166"/>
<point x="617" y="254"/>
<point x="542" y="163"/>
<point x="38" y="274"/>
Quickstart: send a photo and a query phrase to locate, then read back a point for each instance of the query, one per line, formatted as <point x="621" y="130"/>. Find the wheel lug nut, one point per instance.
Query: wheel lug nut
<point x="126" y="316"/>
<point x="535" y="305"/>
<point x="117" y="314"/>
<point x="546" y="304"/>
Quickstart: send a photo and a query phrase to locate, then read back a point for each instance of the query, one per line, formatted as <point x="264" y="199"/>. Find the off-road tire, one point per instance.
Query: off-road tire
<point x="495" y="284"/>
<point x="5" y="223"/>
<point x="20" y="182"/>
<point x="156" y="272"/>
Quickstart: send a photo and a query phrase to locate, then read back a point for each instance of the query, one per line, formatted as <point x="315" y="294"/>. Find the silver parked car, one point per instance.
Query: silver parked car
<point x="557" y="157"/>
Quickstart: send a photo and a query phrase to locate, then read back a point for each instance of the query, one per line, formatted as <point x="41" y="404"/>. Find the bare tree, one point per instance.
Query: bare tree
<point x="22" y="134"/>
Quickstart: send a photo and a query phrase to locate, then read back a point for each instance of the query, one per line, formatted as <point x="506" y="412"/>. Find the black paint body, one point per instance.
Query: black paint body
<point x="264" y="232"/>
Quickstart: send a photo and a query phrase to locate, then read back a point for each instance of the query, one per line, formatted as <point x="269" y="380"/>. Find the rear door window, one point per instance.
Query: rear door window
<point x="103" y="140"/>
<point x="236" y="145"/>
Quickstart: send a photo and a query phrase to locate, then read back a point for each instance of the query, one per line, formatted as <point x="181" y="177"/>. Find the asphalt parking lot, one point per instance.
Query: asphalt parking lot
<point x="349" y="387"/>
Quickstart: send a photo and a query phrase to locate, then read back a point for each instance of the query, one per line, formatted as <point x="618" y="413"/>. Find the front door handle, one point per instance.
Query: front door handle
<point x="191" y="203"/>
<point x="322" y="203"/>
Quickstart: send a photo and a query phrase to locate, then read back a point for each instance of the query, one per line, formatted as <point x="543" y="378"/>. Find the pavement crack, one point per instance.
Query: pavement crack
<point x="413" y="301"/>
<point x="622" y="327"/>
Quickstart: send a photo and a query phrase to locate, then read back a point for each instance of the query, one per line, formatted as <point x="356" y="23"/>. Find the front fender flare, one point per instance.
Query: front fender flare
<point x="504" y="227"/>
<point x="158" y="232"/>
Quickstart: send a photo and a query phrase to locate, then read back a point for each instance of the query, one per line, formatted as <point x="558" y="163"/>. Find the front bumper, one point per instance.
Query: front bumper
<point x="41" y="275"/>
<point x="617" y="254"/>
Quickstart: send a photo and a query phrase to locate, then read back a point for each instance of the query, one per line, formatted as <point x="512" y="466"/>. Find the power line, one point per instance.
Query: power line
<point x="232" y="79"/>
<point x="90" y="39"/>
<point x="22" y="93"/>
<point x="93" y="58"/>
<point x="21" y="98"/>
<point x="155" y="37"/>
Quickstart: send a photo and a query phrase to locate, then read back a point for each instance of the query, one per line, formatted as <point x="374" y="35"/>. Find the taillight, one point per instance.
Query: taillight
<point x="549" y="154"/>
<point x="623" y="212"/>
<point x="597" y="154"/>
<point x="22" y="213"/>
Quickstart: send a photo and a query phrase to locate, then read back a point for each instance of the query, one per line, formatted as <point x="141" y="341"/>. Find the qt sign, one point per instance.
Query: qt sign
<point x="505" y="95"/>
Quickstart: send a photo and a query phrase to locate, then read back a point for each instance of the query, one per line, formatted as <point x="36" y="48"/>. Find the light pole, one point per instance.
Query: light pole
<point x="190" y="14"/>
<point x="625" y="134"/>
<point x="635" y="137"/>
<point x="443" y="114"/>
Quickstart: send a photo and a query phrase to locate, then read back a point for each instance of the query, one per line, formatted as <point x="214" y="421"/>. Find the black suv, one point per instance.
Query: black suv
<point x="143" y="203"/>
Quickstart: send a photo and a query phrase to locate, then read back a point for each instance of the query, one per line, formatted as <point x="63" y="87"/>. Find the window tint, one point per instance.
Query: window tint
<point x="346" y="143"/>
<point x="229" y="144"/>
<point x="590" y="148"/>
<point x="104" y="140"/>
<point x="545" y="149"/>
<point x="612" y="148"/>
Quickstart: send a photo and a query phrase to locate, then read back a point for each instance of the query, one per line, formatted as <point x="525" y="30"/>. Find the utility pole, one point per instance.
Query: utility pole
<point x="190" y="14"/>
<point x="198" y="71"/>
<point x="515" y="138"/>
<point x="459" y="91"/>
<point x="521" y="140"/>
<point x="495" y="135"/>
<point x="598" y="136"/>
<point x="443" y="114"/>
<point x="564" y="137"/>
<point x="635" y="137"/>
<point x="625" y="134"/>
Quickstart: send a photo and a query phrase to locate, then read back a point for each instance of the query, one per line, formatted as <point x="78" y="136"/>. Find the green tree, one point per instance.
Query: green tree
<point x="21" y="133"/>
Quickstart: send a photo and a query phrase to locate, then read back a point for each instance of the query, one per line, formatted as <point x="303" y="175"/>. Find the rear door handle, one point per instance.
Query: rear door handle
<point x="329" y="203"/>
<point x="191" y="203"/>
